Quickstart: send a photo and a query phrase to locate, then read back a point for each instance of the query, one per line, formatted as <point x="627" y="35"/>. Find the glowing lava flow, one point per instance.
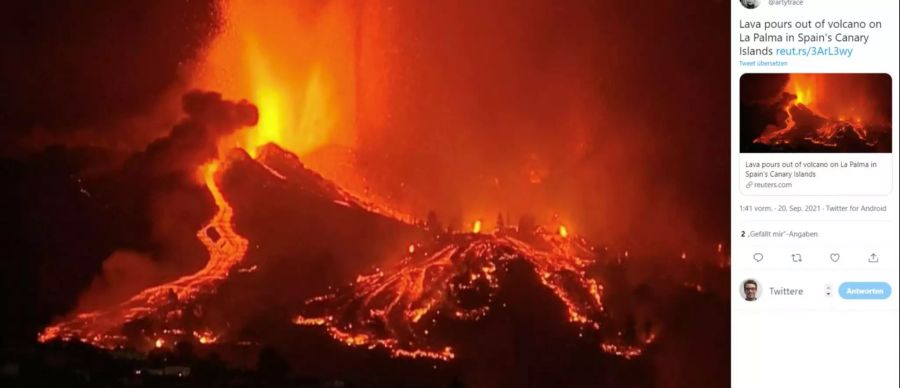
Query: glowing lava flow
<point x="226" y="249"/>
<point x="828" y="132"/>
<point x="804" y="122"/>
<point x="459" y="277"/>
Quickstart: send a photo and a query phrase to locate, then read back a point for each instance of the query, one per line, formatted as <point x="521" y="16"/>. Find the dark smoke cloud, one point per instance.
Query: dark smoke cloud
<point x="194" y="140"/>
<point x="131" y="226"/>
<point x="160" y="187"/>
<point x="84" y="85"/>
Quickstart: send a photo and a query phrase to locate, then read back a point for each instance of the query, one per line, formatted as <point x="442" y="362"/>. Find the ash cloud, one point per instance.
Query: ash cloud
<point x="132" y="223"/>
<point x="159" y="186"/>
<point x="123" y="274"/>
<point x="193" y="141"/>
<point x="85" y="90"/>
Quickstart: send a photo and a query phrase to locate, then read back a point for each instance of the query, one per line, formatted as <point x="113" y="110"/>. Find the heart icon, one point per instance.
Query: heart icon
<point x="758" y="257"/>
<point x="835" y="257"/>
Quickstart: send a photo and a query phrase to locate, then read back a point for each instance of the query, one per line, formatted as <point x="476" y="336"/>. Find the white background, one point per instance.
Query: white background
<point x="815" y="340"/>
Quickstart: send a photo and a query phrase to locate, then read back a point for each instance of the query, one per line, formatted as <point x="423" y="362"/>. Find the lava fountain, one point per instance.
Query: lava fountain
<point x="304" y="84"/>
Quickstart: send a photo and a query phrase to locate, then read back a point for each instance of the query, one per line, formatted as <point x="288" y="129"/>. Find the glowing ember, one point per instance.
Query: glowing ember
<point x="399" y="310"/>
<point x="206" y="337"/>
<point x="159" y="343"/>
<point x="102" y="328"/>
<point x="563" y="231"/>
<point x="476" y="226"/>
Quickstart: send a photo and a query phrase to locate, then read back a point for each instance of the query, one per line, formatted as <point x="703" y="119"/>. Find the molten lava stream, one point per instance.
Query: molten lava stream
<point x="230" y="247"/>
<point x="457" y="277"/>
<point x="100" y="327"/>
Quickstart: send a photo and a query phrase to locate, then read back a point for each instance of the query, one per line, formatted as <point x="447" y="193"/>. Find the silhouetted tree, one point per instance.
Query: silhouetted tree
<point x="527" y="224"/>
<point x="456" y="383"/>
<point x="455" y="225"/>
<point x="432" y="223"/>
<point x="184" y="351"/>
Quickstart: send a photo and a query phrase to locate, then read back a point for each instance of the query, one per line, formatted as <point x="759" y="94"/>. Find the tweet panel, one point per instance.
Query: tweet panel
<point x="814" y="193"/>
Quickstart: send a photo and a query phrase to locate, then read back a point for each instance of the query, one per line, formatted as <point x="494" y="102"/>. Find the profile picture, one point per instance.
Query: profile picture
<point x="750" y="4"/>
<point x="750" y="290"/>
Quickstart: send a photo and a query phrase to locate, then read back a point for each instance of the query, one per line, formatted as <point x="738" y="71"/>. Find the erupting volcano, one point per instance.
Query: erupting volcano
<point x="457" y="276"/>
<point x="327" y="187"/>
<point x="818" y="113"/>
<point x="453" y="276"/>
